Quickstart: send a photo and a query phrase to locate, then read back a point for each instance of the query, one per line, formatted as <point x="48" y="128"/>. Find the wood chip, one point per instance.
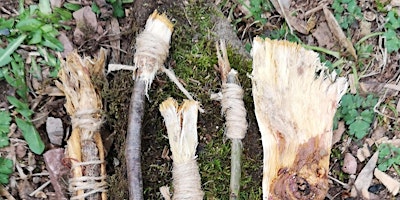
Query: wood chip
<point x="338" y="32"/>
<point x="391" y="184"/>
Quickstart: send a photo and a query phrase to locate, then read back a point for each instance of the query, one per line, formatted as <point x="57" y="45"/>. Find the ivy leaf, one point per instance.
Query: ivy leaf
<point x="31" y="136"/>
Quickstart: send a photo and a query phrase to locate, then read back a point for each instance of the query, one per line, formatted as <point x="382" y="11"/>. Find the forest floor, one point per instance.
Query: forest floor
<point x="366" y="122"/>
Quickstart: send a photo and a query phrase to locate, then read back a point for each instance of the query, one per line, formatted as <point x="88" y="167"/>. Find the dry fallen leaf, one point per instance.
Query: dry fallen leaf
<point x="338" y="32"/>
<point x="68" y="47"/>
<point x="323" y="36"/>
<point x="364" y="178"/>
<point x="391" y="184"/>
<point x="349" y="164"/>
<point x="57" y="171"/>
<point x="337" y="134"/>
<point x="282" y="6"/>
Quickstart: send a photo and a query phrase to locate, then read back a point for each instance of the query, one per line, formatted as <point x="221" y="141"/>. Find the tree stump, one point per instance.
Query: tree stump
<point x="295" y="101"/>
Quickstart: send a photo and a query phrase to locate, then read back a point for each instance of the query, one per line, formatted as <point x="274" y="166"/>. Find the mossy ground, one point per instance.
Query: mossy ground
<point x="193" y="59"/>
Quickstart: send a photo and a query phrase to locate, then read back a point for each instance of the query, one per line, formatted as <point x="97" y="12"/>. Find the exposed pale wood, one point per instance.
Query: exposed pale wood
<point x="84" y="147"/>
<point x="181" y="123"/>
<point x="295" y="101"/>
<point x="152" y="48"/>
<point x="235" y="116"/>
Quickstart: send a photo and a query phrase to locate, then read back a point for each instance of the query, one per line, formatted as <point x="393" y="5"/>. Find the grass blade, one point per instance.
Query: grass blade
<point x="5" y="54"/>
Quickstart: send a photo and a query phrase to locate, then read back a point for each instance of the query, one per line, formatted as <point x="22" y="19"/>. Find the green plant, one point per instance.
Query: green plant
<point x="257" y="9"/>
<point x="5" y="120"/>
<point x="346" y="12"/>
<point x="5" y="164"/>
<point x="392" y="33"/>
<point x="36" y="25"/>
<point x="357" y="112"/>
<point x="284" y="33"/>
<point x="389" y="156"/>
<point x="5" y="169"/>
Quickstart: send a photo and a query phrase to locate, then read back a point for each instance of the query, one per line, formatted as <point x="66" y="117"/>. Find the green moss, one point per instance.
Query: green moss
<point x="193" y="59"/>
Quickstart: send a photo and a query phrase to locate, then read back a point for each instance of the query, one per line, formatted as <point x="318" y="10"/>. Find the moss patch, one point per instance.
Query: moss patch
<point x="193" y="59"/>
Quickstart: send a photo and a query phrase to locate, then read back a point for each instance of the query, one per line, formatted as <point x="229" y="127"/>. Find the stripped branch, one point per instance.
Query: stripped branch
<point x="235" y="115"/>
<point x="84" y="147"/>
<point x="152" y="47"/>
<point x="181" y="126"/>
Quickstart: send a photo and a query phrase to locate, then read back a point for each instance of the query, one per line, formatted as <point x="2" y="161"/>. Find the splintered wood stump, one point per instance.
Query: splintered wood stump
<point x="85" y="150"/>
<point x="295" y="101"/>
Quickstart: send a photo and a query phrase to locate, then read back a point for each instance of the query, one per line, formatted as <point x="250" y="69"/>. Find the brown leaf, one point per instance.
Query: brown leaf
<point x="324" y="36"/>
<point x="68" y="47"/>
<point x="337" y="134"/>
<point x="57" y="171"/>
<point x="390" y="183"/>
<point x="364" y="178"/>
<point x="292" y="21"/>
<point x="338" y="32"/>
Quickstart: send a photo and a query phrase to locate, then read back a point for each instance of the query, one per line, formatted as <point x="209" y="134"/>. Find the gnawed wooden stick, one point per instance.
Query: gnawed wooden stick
<point x="235" y="115"/>
<point x="181" y="126"/>
<point x="84" y="147"/>
<point x="152" y="47"/>
<point x="295" y="100"/>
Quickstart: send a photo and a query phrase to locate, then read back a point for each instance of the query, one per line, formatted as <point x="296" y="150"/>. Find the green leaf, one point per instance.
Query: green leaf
<point x="118" y="10"/>
<point x="384" y="150"/>
<point x="72" y="7"/>
<point x="46" y="28"/>
<point x="63" y="13"/>
<point x="44" y="7"/>
<point x="359" y="128"/>
<point x="350" y="116"/>
<point x="5" y="54"/>
<point x="8" y="24"/>
<point x="393" y="20"/>
<point x="5" y="165"/>
<point x="368" y="115"/>
<point x="383" y="166"/>
<point x="52" y="42"/>
<point x="95" y="8"/>
<point x="29" y="24"/>
<point x="5" y="120"/>
<point x="36" y="37"/>
<point x="21" y="107"/>
<point x="31" y="136"/>
<point x="5" y="169"/>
